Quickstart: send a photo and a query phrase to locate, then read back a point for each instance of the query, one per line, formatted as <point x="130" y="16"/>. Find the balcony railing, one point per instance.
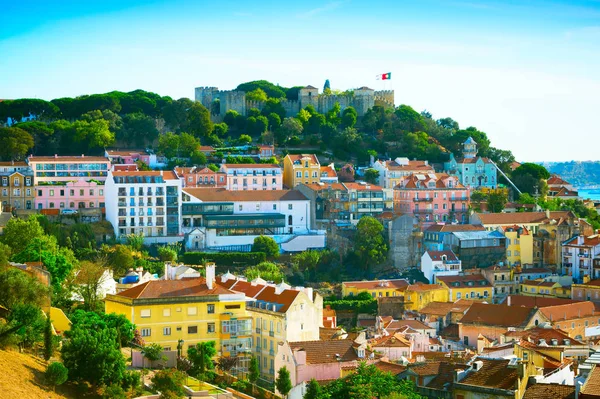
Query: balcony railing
<point x="423" y="211"/>
<point x="423" y="199"/>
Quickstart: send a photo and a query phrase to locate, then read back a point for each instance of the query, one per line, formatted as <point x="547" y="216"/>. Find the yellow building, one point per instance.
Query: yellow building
<point x="519" y="245"/>
<point x="417" y="296"/>
<point x="538" y="358"/>
<point x="193" y="310"/>
<point x="468" y="286"/>
<point x="377" y="288"/>
<point x="280" y="313"/>
<point x="541" y="287"/>
<point x="301" y="168"/>
<point x="588" y="291"/>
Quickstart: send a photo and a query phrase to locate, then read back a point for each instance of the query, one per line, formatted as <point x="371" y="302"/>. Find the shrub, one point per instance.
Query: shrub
<point x="56" y="374"/>
<point x="239" y="259"/>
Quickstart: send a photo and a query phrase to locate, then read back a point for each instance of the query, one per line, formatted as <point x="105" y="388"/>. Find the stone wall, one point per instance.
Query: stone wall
<point x="405" y="242"/>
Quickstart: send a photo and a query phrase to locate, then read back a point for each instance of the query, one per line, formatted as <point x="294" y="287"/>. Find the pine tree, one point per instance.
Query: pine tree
<point x="327" y="85"/>
<point x="253" y="370"/>
<point x="48" y="339"/>
<point x="313" y="390"/>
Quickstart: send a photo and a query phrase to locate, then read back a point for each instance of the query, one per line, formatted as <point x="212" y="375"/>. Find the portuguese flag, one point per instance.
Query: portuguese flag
<point x="384" y="76"/>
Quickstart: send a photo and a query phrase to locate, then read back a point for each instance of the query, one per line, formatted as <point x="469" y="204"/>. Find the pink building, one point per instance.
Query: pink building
<point x="432" y="197"/>
<point x="266" y="151"/>
<point x="200" y="177"/>
<point x="240" y="177"/>
<point x="77" y="194"/>
<point x="129" y="157"/>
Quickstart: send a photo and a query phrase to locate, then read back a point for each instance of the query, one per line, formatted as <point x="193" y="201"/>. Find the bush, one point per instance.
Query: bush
<point x="238" y="259"/>
<point x="56" y="374"/>
<point x="267" y="245"/>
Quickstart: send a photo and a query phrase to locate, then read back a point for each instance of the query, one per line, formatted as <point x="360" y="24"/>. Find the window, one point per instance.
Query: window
<point x="51" y="193"/>
<point x="274" y="207"/>
<point x="290" y="206"/>
<point x="167" y="331"/>
<point x="210" y="328"/>
<point x="192" y="311"/>
<point x="192" y="329"/>
<point x="525" y="356"/>
<point x="210" y="308"/>
<point x="146" y="332"/>
<point x="298" y="174"/>
<point x="145" y="313"/>
<point x="166" y="312"/>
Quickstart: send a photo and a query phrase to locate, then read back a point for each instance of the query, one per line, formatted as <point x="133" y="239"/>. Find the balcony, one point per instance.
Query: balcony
<point x="422" y="199"/>
<point x="583" y="255"/>
<point x="420" y="211"/>
<point x="122" y="203"/>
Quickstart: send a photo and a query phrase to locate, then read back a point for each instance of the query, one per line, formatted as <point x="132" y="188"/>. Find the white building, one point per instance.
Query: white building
<point x="134" y="278"/>
<point x="581" y="257"/>
<point x="219" y="219"/>
<point x="106" y="285"/>
<point x="391" y="172"/>
<point x="440" y="263"/>
<point x="145" y="202"/>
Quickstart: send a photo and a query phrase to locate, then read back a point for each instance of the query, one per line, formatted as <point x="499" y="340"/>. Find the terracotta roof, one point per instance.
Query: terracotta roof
<point x="443" y="308"/>
<point x="362" y="187"/>
<point x="450" y="331"/>
<point x="125" y="168"/>
<point x="126" y="153"/>
<point x="14" y="163"/>
<point x="251" y="166"/>
<point x="554" y="391"/>
<point x="522" y="217"/>
<point x="67" y="158"/>
<point x="564" y="192"/>
<point x="569" y="311"/>
<point x="556" y="180"/>
<point x="424" y="287"/>
<point x="593" y="283"/>
<point x="534" y="301"/>
<point x="449" y="228"/>
<point x="205" y="148"/>
<point x="520" y="229"/>
<point x="442" y="371"/>
<point x="477" y="279"/>
<point x="328" y="171"/>
<point x="377" y="284"/>
<point x="221" y="195"/>
<point x="537" y="333"/>
<point x="539" y="283"/>
<point x="249" y="289"/>
<point x="326" y="186"/>
<point x="494" y="373"/>
<point x="188" y="287"/>
<point x="592" y="384"/>
<point x="421" y="181"/>
<point x="299" y="157"/>
<point x="590" y="241"/>
<point x="437" y="255"/>
<point x="328" y="333"/>
<point x="414" y="324"/>
<point x="534" y="270"/>
<point x="265" y="293"/>
<point x="421" y="166"/>
<point x="390" y="341"/>
<point x="322" y="352"/>
<point x="388" y="367"/>
<point x="166" y="174"/>
<point x="498" y="315"/>
<point x="193" y="169"/>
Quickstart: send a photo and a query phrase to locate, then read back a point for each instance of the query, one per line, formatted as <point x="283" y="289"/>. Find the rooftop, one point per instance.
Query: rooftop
<point x="188" y="287"/>
<point x="250" y="166"/>
<point x="554" y="391"/>
<point x="523" y="217"/>
<point x="223" y="195"/>
<point x="376" y="284"/>
<point x="494" y="373"/>
<point x="312" y="158"/>
<point x="437" y="255"/>
<point x="449" y="228"/>
<point x="592" y="384"/>
<point x="166" y="175"/>
<point x="498" y="315"/>
<point x="322" y="352"/>
<point x="569" y="311"/>
<point x="422" y="166"/>
<point x="590" y="241"/>
<point x="443" y="308"/>
<point x="534" y="301"/>
<point x="443" y="372"/>
<point x="465" y="280"/>
<point x="67" y="158"/>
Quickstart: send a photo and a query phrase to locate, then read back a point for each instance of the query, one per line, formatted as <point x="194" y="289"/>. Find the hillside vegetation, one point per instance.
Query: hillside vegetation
<point x="580" y="174"/>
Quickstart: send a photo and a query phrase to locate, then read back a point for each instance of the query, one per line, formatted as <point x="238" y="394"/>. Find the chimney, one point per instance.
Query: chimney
<point x="210" y="275"/>
<point x="547" y="214"/>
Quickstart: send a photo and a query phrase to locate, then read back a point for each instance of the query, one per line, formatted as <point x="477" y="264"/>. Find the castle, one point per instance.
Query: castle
<point x="360" y="99"/>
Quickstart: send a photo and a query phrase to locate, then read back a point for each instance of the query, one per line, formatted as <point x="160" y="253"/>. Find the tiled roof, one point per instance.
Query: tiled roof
<point x="477" y="279"/>
<point x="326" y="186"/>
<point x="554" y="391"/>
<point x="443" y="308"/>
<point x="322" y="352"/>
<point x="126" y="153"/>
<point x="188" y="287"/>
<point x="593" y="283"/>
<point x="125" y="168"/>
<point x="377" y="284"/>
<point x="424" y="287"/>
<point x="299" y="157"/>
<point x="166" y="174"/>
<point x="590" y="241"/>
<point x="498" y="315"/>
<point x="422" y="180"/>
<point x="564" y="192"/>
<point x="328" y="333"/>
<point x="437" y="255"/>
<point x="205" y="148"/>
<point x="419" y="166"/>
<point x="388" y="367"/>
<point x="414" y="324"/>
<point x="442" y="371"/>
<point x="221" y="194"/>
<point x="539" y="283"/>
<point x="534" y="270"/>
<point x="362" y="187"/>
<point x="556" y="180"/>
<point x="449" y="228"/>
<point x="14" y="163"/>
<point x="569" y="311"/>
<point x="522" y="217"/>
<point x="67" y="158"/>
<point x="534" y="301"/>
<point x="473" y="160"/>
<point x="390" y="341"/>
<point x="494" y="373"/>
<point x="328" y="171"/>
<point x="248" y="288"/>
<point x="537" y="333"/>
<point x="592" y="384"/>
<point x="264" y="293"/>
<point x="450" y="331"/>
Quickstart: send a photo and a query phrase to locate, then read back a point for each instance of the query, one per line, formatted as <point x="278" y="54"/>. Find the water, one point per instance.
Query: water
<point x="593" y="194"/>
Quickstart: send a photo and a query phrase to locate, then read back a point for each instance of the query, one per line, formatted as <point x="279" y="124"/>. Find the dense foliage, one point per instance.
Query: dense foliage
<point x="238" y="259"/>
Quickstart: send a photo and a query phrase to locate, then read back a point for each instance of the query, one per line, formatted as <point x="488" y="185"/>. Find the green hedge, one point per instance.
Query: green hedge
<point x="233" y="259"/>
<point x="369" y="306"/>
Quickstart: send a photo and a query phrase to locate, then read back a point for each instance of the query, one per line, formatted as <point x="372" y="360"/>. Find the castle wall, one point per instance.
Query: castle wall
<point x="327" y="102"/>
<point x="385" y="96"/>
<point x="254" y="104"/>
<point x="235" y="100"/>
<point x="206" y="95"/>
<point x="292" y="107"/>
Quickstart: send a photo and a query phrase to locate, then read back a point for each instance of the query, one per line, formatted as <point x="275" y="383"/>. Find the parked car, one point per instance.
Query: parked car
<point x="68" y="212"/>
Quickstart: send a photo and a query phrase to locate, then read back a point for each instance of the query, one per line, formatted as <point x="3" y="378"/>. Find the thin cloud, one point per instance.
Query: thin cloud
<point x="318" y="10"/>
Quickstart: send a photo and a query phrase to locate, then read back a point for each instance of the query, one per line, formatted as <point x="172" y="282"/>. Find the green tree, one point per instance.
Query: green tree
<point x="289" y="128"/>
<point x="43" y="135"/>
<point x="349" y="117"/>
<point x="274" y="121"/>
<point x="333" y="115"/>
<point x="372" y="175"/>
<point x="230" y="117"/>
<point x="303" y="116"/>
<point x="409" y="119"/>
<point x="113" y="391"/>
<point x="283" y="383"/>
<point x="369" y="244"/>
<point x="198" y="158"/>
<point x="120" y="259"/>
<point x="201" y="356"/>
<point x="268" y="87"/>
<point x="17" y="288"/>
<point x="526" y="199"/>
<point x="153" y="352"/>
<point x="15" y="143"/>
<point x="220" y="129"/>
<point x="93" y="355"/>
<point x="496" y="202"/>
<point x="169" y="381"/>
<point x="198" y="121"/>
<point x="167" y="254"/>
<point x="307" y="260"/>
<point x="257" y="94"/>
<point x="313" y="390"/>
<point x="265" y="270"/>
<point x="48" y="339"/>
<point x="267" y="245"/>
<point x="92" y="135"/>
<point x="18" y="233"/>
<point x="327" y="85"/>
<point x="175" y="113"/>
<point x="244" y="139"/>
<point x="56" y="374"/>
<point x="531" y="178"/>
<point x="138" y="129"/>
<point x="253" y="370"/>
<point x="90" y="278"/>
<point x="24" y="324"/>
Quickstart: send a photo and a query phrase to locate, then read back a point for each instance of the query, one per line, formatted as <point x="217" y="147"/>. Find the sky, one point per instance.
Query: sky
<point x="526" y="72"/>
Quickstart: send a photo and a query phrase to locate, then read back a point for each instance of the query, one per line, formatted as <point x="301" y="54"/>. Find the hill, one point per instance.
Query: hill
<point x="22" y="377"/>
<point x="580" y="174"/>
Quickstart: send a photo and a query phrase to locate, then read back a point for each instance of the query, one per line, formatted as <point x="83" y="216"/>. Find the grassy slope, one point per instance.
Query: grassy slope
<point x="22" y="377"/>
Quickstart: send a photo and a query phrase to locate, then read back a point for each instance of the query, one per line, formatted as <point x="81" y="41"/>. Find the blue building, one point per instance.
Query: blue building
<point x="472" y="171"/>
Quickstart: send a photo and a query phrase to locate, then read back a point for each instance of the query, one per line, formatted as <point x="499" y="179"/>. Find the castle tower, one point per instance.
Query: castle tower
<point x="235" y="100"/>
<point x="364" y="98"/>
<point x="206" y="95"/>
<point x="309" y="95"/>
<point x="469" y="148"/>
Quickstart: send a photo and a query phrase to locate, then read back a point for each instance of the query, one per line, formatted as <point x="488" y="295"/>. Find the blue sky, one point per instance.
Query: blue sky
<point x="525" y="72"/>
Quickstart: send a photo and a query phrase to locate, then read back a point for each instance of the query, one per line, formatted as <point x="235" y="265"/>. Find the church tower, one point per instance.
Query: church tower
<point x="469" y="148"/>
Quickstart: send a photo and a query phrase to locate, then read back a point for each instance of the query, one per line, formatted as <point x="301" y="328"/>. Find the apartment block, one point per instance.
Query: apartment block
<point x="245" y="177"/>
<point x="301" y="169"/>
